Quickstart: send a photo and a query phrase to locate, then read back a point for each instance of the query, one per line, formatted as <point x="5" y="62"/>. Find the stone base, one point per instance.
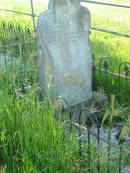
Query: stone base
<point x="89" y="107"/>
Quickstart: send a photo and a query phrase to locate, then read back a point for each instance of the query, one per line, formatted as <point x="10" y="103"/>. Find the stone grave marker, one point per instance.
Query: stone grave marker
<point x="64" y="50"/>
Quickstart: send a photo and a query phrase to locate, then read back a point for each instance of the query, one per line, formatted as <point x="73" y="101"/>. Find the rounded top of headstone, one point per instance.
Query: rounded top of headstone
<point x="54" y="4"/>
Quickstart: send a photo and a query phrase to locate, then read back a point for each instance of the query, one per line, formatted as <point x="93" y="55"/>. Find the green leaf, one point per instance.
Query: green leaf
<point x="106" y="115"/>
<point x="124" y="131"/>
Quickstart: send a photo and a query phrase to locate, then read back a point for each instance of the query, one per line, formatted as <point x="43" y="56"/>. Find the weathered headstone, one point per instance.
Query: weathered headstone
<point x="65" y="62"/>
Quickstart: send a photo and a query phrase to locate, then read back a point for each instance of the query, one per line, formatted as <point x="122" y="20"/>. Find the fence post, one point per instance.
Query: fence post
<point x="33" y="14"/>
<point x="94" y="84"/>
<point x="98" y="141"/>
<point x="105" y="75"/>
<point x="126" y="73"/>
<point x="120" y="158"/>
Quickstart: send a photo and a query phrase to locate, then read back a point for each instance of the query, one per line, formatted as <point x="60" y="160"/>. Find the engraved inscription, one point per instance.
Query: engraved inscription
<point x="62" y="38"/>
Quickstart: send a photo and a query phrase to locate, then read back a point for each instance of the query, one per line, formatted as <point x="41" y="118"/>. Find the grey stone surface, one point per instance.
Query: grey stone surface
<point x="8" y="61"/>
<point x="64" y="49"/>
<point x="4" y="61"/>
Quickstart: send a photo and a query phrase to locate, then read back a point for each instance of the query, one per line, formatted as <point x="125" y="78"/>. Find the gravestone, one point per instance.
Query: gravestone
<point x="64" y="50"/>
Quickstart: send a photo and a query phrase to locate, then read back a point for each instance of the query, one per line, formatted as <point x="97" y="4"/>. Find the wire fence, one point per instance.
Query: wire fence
<point x="23" y="44"/>
<point x="33" y="15"/>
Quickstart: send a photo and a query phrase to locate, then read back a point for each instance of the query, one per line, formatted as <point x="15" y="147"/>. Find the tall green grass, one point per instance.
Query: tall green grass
<point x="31" y="140"/>
<point x="35" y="138"/>
<point x="115" y="48"/>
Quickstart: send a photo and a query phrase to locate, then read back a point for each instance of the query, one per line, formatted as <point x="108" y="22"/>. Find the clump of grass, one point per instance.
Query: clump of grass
<point x="31" y="140"/>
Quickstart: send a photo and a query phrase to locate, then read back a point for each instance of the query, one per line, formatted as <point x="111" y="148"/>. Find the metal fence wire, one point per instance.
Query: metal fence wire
<point x="34" y="15"/>
<point x="22" y="39"/>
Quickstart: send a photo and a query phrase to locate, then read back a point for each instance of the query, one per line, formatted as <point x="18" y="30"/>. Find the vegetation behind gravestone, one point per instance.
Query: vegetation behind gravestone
<point x="31" y="140"/>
